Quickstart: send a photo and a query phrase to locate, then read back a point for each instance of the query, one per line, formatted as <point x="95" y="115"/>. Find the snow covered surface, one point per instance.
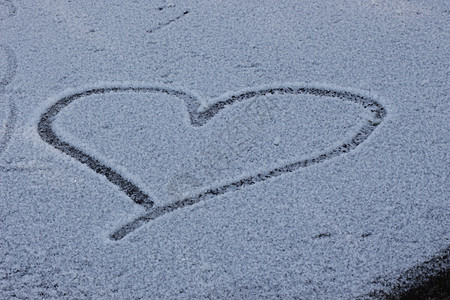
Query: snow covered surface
<point x="342" y="228"/>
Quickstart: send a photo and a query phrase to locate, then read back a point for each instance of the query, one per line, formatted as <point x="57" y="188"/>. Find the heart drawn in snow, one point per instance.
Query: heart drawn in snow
<point x="199" y="116"/>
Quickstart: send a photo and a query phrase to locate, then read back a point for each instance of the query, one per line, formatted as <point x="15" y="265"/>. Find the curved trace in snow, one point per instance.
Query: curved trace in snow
<point x="11" y="66"/>
<point x="199" y="117"/>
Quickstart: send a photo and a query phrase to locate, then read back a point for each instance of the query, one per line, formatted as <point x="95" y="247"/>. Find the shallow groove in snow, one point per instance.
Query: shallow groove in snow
<point x="10" y="71"/>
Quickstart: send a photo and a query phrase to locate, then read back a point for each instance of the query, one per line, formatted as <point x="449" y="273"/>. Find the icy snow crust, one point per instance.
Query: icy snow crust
<point x="200" y="126"/>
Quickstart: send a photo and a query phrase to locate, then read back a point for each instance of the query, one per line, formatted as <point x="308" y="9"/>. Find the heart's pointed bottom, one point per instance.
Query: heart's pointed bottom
<point x="155" y="212"/>
<point x="136" y="223"/>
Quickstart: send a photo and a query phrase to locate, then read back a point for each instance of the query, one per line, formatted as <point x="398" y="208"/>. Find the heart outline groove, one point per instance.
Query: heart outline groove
<point x="198" y="117"/>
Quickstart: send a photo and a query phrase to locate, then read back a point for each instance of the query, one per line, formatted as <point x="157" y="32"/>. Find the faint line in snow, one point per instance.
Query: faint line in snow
<point x="161" y="25"/>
